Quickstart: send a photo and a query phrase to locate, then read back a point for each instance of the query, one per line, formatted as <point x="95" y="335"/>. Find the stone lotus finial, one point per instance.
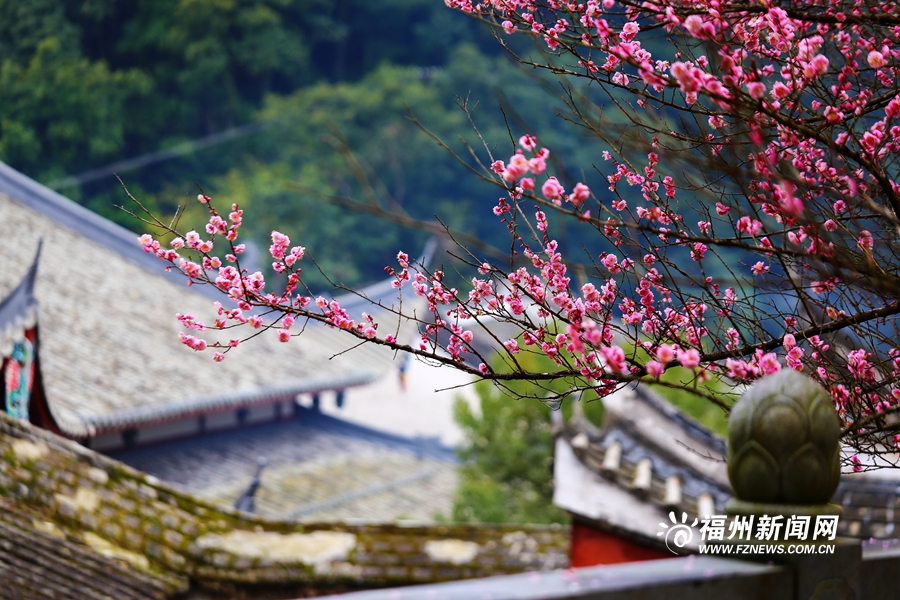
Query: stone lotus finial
<point x="783" y="442"/>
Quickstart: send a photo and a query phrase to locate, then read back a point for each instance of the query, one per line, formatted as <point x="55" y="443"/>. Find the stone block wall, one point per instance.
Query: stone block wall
<point x="129" y="516"/>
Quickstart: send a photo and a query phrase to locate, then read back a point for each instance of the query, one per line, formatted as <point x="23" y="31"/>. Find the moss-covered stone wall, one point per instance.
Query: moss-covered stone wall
<point x="123" y="514"/>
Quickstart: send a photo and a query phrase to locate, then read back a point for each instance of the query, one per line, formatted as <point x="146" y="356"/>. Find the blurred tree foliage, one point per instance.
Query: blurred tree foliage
<point x="59" y="110"/>
<point x="697" y="407"/>
<point x="298" y="168"/>
<point x="87" y="83"/>
<point x="156" y="70"/>
<point x="506" y="475"/>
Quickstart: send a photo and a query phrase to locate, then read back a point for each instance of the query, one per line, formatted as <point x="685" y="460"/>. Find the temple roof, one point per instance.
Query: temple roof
<point x="649" y="458"/>
<point x="35" y="555"/>
<point x="109" y="350"/>
<point x="317" y="468"/>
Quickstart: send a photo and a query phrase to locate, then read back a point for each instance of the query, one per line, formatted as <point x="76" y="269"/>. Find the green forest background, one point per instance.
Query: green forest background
<point x="86" y="84"/>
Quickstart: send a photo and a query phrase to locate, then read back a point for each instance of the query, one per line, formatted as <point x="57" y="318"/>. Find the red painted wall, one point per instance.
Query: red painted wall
<point x="592" y="546"/>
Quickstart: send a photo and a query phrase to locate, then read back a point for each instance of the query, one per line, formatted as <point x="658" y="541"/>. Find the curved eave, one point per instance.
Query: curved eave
<point x="91" y="426"/>
<point x="19" y="309"/>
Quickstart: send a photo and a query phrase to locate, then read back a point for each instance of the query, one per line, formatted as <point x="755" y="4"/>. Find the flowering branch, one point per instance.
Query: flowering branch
<point x="749" y="219"/>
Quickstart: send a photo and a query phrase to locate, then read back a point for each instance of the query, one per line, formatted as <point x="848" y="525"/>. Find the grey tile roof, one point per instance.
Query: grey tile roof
<point x="871" y="506"/>
<point x="37" y="561"/>
<point x="646" y="426"/>
<point x="684" y="467"/>
<point x="642" y="425"/>
<point x="318" y="469"/>
<point x="110" y="354"/>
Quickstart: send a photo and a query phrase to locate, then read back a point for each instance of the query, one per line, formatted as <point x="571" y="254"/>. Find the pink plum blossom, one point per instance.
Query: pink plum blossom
<point x="552" y="190"/>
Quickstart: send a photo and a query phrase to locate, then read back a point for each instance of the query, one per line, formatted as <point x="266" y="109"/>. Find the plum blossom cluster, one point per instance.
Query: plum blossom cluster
<point x="791" y="113"/>
<point x="514" y="172"/>
<point x="247" y="291"/>
<point x="215" y="261"/>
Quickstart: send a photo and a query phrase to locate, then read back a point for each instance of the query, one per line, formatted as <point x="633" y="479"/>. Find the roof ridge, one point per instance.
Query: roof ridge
<point x="428" y="445"/>
<point x="690" y="425"/>
<point x="69" y="213"/>
<point x="113" y="236"/>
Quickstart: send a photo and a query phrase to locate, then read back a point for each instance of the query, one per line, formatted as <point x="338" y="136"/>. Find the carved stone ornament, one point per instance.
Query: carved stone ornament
<point x="783" y="442"/>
